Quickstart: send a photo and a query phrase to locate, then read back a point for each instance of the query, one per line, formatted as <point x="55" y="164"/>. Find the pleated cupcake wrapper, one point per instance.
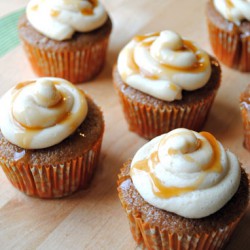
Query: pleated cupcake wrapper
<point x="151" y="237"/>
<point x="74" y="64"/>
<point x="246" y="125"/>
<point x="150" y="122"/>
<point x="148" y="237"/>
<point x="233" y="49"/>
<point x="52" y="181"/>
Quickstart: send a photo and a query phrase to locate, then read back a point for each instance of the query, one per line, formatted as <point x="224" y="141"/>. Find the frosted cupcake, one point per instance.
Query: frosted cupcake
<point x="50" y="139"/>
<point x="229" y="29"/>
<point x="183" y="190"/>
<point x="164" y="82"/>
<point x="66" y="39"/>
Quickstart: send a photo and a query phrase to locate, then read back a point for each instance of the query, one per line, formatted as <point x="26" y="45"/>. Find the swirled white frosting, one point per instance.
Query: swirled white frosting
<point x="233" y="10"/>
<point x="186" y="172"/>
<point x="163" y="64"/>
<point x="60" y="19"/>
<point x="41" y="113"/>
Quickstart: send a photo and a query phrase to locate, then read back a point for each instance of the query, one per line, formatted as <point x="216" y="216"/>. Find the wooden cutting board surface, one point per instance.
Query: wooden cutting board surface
<point x="94" y="219"/>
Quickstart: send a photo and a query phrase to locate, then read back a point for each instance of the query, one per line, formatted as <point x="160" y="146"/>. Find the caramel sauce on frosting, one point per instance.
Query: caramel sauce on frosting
<point x="166" y="192"/>
<point x="60" y="19"/>
<point x="184" y="166"/>
<point x="154" y="63"/>
<point x="42" y="113"/>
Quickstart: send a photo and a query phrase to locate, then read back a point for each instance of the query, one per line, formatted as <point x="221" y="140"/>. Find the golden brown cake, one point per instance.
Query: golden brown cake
<point x="245" y="113"/>
<point x="149" y="115"/>
<point x="76" y="56"/>
<point x="157" y="228"/>
<point x="229" y="32"/>
<point x="56" y="170"/>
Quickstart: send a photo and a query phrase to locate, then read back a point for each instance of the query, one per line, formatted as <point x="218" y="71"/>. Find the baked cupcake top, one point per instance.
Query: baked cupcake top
<point x="186" y="172"/>
<point x="163" y="64"/>
<point x="41" y="113"/>
<point x="233" y="10"/>
<point x="60" y="19"/>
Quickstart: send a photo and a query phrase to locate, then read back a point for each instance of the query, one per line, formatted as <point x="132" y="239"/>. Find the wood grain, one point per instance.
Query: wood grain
<point x="94" y="219"/>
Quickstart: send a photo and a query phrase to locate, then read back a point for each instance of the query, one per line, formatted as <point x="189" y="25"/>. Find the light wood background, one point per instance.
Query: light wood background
<point x="94" y="219"/>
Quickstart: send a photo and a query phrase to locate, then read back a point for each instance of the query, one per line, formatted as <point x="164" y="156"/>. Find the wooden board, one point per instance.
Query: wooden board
<point x="94" y="219"/>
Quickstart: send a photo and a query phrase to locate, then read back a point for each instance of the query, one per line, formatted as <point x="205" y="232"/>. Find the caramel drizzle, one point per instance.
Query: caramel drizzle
<point x="85" y="11"/>
<point x="162" y="191"/>
<point x="35" y="7"/>
<point x="60" y="120"/>
<point x="90" y="11"/>
<point x="54" y="13"/>
<point x="196" y="68"/>
<point x="20" y="85"/>
<point x="30" y="132"/>
<point x="214" y="165"/>
<point x="230" y="6"/>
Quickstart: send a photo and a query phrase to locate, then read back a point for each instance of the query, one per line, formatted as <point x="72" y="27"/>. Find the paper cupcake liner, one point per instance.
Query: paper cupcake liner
<point x="244" y="62"/>
<point x="231" y="48"/>
<point x="148" y="237"/>
<point x="245" y="113"/>
<point x="152" y="237"/>
<point x="150" y="122"/>
<point x="76" y="65"/>
<point x="53" y="181"/>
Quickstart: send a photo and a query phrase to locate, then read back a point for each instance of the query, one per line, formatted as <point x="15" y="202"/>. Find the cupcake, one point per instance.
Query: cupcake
<point x="245" y="113"/>
<point x="183" y="190"/>
<point x="165" y="82"/>
<point x="66" y="39"/>
<point x="229" y="29"/>
<point x="50" y="139"/>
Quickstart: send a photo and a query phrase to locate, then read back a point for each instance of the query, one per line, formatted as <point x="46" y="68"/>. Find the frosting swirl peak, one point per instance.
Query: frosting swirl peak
<point x="41" y="113"/>
<point x="60" y="19"/>
<point x="186" y="172"/>
<point x="163" y="64"/>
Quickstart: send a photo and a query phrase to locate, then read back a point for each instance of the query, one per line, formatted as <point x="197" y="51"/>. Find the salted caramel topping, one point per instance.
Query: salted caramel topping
<point x="183" y="142"/>
<point x="185" y="169"/>
<point x="215" y="164"/>
<point x="141" y="38"/>
<point x="87" y="11"/>
<point x="23" y="84"/>
<point x="42" y="113"/>
<point x="158" y="187"/>
<point x="60" y="19"/>
<point x="154" y="63"/>
<point x="229" y="4"/>
<point x="54" y="13"/>
<point x="90" y="9"/>
<point x="34" y="7"/>
<point x="187" y="144"/>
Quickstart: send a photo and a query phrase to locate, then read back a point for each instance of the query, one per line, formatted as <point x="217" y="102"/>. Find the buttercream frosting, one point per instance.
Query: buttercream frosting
<point x="186" y="172"/>
<point x="233" y="10"/>
<point x="163" y="64"/>
<point x="41" y="113"/>
<point x="60" y="19"/>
